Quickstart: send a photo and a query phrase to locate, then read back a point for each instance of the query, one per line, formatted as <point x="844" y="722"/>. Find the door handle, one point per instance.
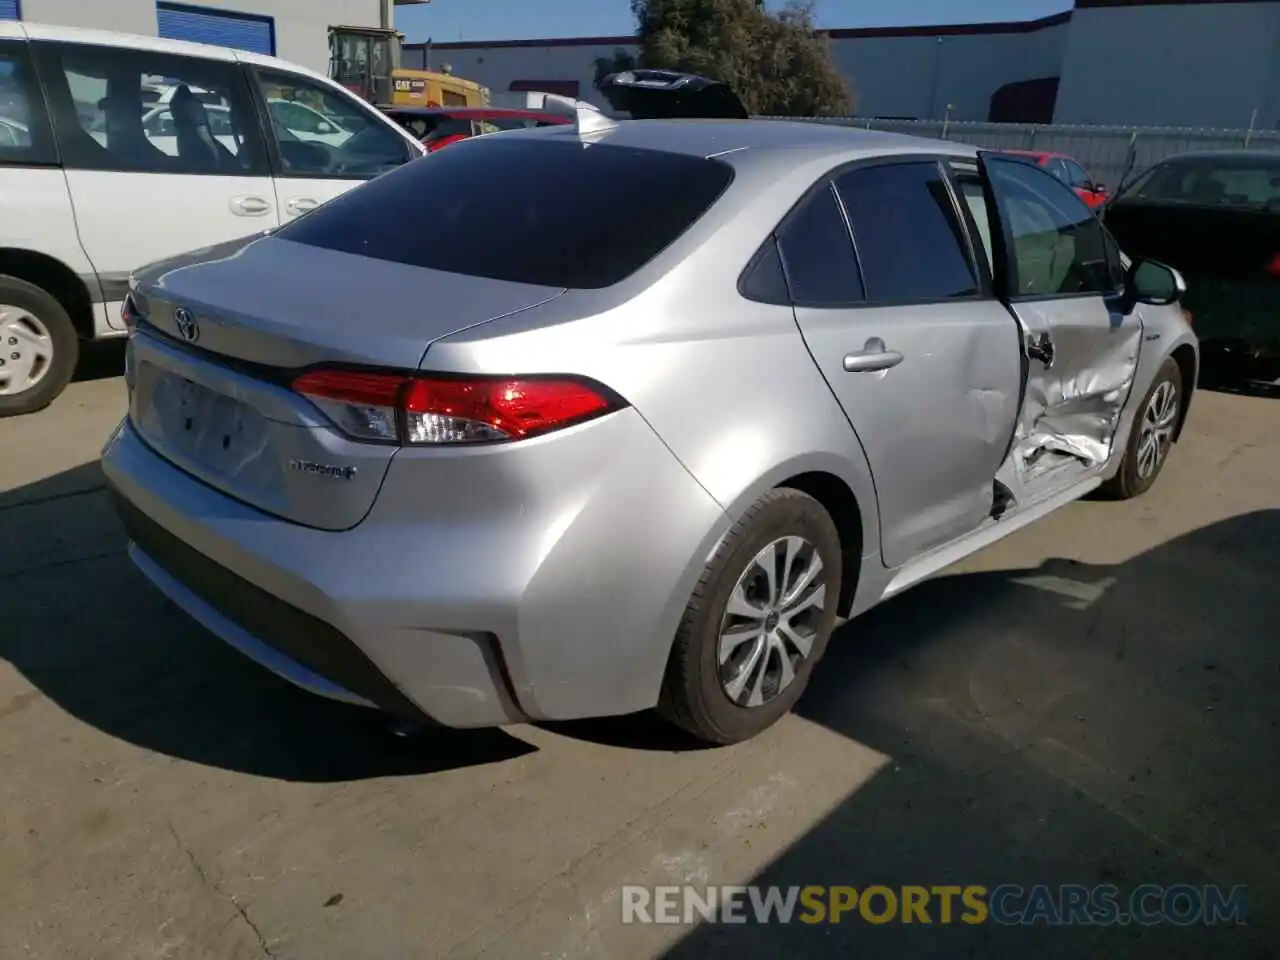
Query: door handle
<point x="1041" y="348"/>
<point x="874" y="356"/>
<point x="300" y="205"/>
<point x="250" y="206"/>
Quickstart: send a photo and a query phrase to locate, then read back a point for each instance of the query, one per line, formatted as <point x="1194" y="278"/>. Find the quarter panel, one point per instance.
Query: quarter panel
<point x="727" y="383"/>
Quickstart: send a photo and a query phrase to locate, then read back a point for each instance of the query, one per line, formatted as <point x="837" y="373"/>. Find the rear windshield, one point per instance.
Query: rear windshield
<point x="1227" y="182"/>
<point x="552" y="213"/>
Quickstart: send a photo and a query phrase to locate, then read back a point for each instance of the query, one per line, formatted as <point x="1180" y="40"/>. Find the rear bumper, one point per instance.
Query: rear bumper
<point x="535" y="613"/>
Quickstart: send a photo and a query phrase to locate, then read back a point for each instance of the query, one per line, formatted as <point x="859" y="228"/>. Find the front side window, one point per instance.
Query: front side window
<point x="1056" y="245"/>
<point x="105" y="112"/>
<point x="910" y="241"/>
<point x="1077" y="176"/>
<point x="522" y="210"/>
<point x="321" y="133"/>
<point x="24" y="135"/>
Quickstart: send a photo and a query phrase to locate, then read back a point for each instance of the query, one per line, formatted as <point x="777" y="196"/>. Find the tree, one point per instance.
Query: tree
<point x="776" y="62"/>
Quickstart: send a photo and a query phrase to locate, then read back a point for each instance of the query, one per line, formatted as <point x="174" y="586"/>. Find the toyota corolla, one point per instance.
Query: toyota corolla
<point x="649" y="408"/>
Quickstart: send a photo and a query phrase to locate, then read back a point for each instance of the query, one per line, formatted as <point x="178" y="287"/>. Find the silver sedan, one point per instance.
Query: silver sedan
<point x="622" y="414"/>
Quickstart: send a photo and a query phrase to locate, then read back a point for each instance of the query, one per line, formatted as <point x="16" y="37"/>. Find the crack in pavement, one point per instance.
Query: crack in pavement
<point x="213" y="887"/>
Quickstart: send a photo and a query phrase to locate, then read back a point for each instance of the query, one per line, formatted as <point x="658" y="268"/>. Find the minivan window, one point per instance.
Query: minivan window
<point x="321" y="133"/>
<point x="550" y="212"/>
<point x="104" y="103"/>
<point x="24" y="136"/>
<point x="909" y="239"/>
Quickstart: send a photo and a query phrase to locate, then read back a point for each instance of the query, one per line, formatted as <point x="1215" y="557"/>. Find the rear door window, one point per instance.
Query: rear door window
<point x="538" y="211"/>
<point x="102" y="105"/>
<point x="909" y="238"/>
<point x="24" y="131"/>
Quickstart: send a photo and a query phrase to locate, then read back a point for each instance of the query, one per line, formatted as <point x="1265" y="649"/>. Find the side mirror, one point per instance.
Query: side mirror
<point x="1154" y="283"/>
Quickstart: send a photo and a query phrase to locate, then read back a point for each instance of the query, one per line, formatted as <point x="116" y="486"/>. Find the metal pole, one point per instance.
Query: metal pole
<point x="1248" y="136"/>
<point x="385" y="16"/>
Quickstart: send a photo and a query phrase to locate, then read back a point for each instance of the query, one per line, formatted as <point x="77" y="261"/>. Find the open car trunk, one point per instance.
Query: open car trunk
<point x="668" y="95"/>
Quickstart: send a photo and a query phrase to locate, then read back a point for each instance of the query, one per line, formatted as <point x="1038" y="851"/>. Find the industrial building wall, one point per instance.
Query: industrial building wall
<point x="1174" y="64"/>
<point x="917" y="77"/>
<point x="908" y="73"/>
<point x="301" y="26"/>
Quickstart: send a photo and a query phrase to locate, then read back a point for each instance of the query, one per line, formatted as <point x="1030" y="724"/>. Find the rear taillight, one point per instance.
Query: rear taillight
<point x="1273" y="268"/>
<point x="426" y="410"/>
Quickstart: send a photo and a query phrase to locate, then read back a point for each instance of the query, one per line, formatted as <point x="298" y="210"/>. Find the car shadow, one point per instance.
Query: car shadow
<point x="1067" y="724"/>
<point x="100" y="360"/>
<point x="86" y="629"/>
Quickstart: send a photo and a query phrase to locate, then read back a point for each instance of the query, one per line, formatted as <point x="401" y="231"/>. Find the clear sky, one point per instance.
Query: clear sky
<point x="451" y="20"/>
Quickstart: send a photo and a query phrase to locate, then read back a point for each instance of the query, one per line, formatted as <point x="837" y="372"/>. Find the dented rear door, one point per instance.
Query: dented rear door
<point x="1061" y="275"/>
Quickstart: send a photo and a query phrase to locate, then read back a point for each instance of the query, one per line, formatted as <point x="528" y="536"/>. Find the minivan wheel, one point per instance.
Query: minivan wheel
<point x="38" y="347"/>
<point x="1151" y="437"/>
<point x="758" y="621"/>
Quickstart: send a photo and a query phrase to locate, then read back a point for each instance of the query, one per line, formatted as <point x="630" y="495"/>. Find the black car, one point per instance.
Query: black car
<point x="1215" y="216"/>
<point x="667" y="94"/>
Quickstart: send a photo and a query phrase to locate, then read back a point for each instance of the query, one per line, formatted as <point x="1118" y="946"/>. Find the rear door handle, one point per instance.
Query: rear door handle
<point x="874" y="356"/>
<point x="300" y="205"/>
<point x="250" y="206"/>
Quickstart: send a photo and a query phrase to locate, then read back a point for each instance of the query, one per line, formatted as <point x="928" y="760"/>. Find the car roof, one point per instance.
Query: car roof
<point x="782" y="141"/>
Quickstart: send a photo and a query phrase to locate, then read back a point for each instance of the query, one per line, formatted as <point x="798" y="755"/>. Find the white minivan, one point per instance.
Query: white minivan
<point x="119" y="150"/>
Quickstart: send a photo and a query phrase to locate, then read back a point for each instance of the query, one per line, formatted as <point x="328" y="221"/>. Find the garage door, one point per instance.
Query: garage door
<point x="8" y="9"/>
<point x="203" y="25"/>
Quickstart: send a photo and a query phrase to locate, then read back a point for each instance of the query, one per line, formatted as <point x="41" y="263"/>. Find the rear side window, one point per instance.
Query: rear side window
<point x="24" y="130"/>
<point x="101" y="98"/>
<point x="817" y="253"/>
<point x="910" y="242"/>
<point x="547" y="212"/>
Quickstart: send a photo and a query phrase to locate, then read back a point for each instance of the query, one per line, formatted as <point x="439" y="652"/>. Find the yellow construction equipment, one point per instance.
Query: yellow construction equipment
<point x="366" y="60"/>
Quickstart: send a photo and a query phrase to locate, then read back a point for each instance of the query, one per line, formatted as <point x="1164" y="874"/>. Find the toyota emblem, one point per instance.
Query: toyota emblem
<point x="187" y="326"/>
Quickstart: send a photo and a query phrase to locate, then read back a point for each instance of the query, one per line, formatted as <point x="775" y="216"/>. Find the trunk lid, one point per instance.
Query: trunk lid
<point x="668" y="95"/>
<point x="216" y="401"/>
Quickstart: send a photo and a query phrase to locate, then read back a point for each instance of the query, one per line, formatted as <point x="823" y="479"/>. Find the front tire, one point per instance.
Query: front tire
<point x="758" y="621"/>
<point x="38" y="347"/>
<point x="1151" y="438"/>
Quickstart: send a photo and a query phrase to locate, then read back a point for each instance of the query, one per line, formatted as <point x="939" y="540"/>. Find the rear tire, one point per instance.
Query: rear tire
<point x="1151" y="437"/>
<point x="39" y="347"/>
<point x="748" y="641"/>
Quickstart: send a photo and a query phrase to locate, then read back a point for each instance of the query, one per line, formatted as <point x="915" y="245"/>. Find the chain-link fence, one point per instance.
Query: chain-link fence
<point x="1104" y="150"/>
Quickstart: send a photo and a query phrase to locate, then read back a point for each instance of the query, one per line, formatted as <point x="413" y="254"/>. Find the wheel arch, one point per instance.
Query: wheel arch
<point x="844" y="491"/>
<point x="57" y="279"/>
<point x="1185" y="356"/>
<point x="842" y="506"/>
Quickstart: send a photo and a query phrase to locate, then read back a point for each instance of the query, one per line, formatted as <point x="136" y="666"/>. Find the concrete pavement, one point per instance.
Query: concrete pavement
<point x="1092" y="700"/>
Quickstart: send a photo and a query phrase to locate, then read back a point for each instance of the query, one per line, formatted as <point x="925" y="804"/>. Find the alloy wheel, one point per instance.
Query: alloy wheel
<point x="1156" y="435"/>
<point x="771" y="621"/>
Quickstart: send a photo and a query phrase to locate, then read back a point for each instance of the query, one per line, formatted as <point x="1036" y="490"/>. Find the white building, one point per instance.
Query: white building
<point x="1171" y="62"/>
<point x="296" y="30"/>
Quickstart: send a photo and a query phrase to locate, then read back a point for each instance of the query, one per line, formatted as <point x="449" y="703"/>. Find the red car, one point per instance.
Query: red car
<point x="438" y="127"/>
<point x="1070" y="171"/>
